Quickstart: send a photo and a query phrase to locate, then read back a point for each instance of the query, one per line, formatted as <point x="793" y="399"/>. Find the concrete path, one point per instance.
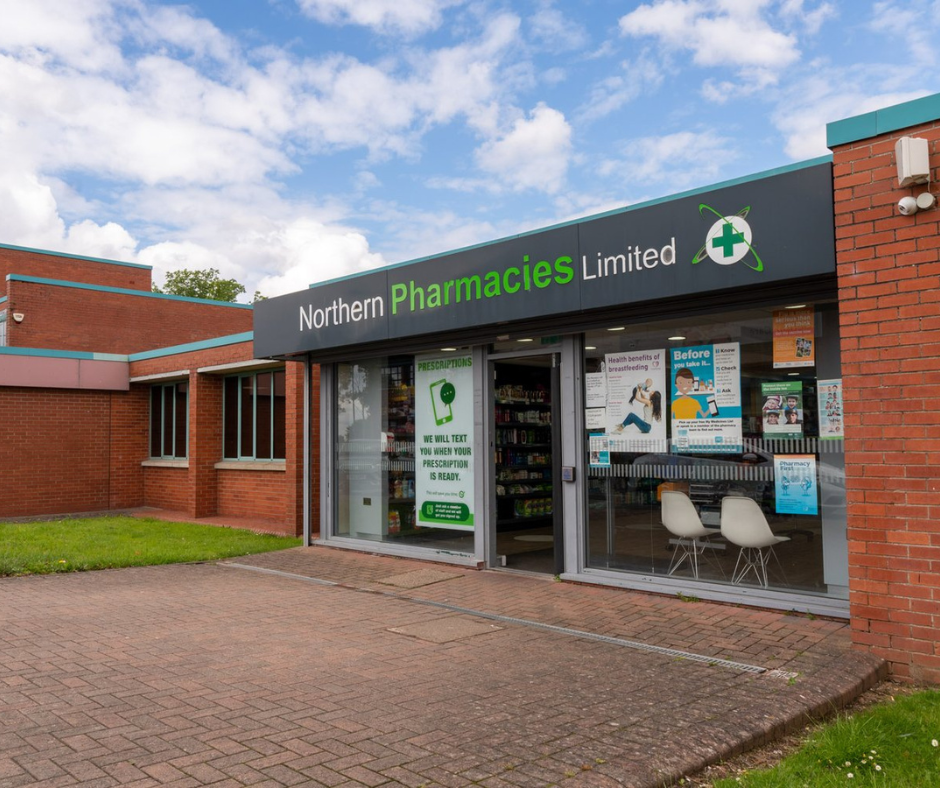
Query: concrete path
<point x="315" y="666"/>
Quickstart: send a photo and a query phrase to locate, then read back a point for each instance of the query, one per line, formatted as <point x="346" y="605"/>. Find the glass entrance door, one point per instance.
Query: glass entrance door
<point x="525" y="401"/>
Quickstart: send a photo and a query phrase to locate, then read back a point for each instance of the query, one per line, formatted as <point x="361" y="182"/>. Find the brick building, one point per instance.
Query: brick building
<point x="112" y="397"/>
<point x="115" y="397"/>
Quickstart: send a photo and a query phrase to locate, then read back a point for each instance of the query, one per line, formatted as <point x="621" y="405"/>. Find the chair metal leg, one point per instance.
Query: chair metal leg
<point x="754" y="559"/>
<point x="686" y="550"/>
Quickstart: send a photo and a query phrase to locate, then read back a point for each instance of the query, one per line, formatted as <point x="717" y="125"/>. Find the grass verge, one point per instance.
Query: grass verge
<point x="80" y="544"/>
<point x="892" y="745"/>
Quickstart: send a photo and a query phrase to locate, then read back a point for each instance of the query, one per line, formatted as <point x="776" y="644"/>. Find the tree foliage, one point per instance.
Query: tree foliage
<point x="201" y="284"/>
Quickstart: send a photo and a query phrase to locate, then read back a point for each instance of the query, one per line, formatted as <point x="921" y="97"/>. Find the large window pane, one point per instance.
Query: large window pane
<point x="169" y="406"/>
<point x="660" y="428"/>
<point x="375" y="457"/>
<point x="230" y="423"/>
<point x="254" y="420"/>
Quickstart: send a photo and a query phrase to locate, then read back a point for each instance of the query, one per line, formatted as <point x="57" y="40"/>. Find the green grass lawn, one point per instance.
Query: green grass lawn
<point x="895" y="744"/>
<point x="80" y="544"/>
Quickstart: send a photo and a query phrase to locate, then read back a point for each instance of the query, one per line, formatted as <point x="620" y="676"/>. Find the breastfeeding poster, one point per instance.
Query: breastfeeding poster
<point x="444" y="441"/>
<point x="705" y="398"/>
<point x="636" y="401"/>
<point x="795" y="482"/>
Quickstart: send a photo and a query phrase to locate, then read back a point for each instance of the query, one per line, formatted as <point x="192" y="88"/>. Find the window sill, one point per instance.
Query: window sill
<point x="251" y="465"/>
<point x="165" y="463"/>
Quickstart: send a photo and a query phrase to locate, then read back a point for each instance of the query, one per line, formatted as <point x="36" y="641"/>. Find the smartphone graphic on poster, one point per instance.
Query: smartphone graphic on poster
<point x="443" y="412"/>
<point x="712" y="406"/>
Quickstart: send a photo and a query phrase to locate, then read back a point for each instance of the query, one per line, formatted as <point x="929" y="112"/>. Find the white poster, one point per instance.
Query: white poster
<point x="636" y="400"/>
<point x="444" y="441"/>
<point x="595" y="418"/>
<point x="706" y="398"/>
<point x="595" y="390"/>
<point x="829" y="394"/>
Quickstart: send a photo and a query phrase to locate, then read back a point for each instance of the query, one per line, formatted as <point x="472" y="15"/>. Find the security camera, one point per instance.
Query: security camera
<point x="907" y="206"/>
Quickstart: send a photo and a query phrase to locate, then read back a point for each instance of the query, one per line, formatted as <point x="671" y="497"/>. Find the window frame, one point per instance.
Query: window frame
<point x="234" y="388"/>
<point x="174" y="388"/>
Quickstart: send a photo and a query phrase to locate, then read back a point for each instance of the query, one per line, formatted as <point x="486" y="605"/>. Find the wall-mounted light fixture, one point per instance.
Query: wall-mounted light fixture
<point x="18" y="317"/>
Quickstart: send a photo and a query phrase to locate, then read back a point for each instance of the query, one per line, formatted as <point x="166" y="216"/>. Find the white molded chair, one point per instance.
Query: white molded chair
<point x="682" y="521"/>
<point x="743" y="523"/>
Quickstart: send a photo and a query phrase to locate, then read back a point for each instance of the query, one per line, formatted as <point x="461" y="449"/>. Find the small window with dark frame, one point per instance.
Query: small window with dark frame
<point x="169" y="421"/>
<point x="254" y="416"/>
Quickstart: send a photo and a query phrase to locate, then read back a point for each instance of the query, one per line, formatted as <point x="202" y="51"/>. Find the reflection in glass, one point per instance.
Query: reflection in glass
<point x="375" y="457"/>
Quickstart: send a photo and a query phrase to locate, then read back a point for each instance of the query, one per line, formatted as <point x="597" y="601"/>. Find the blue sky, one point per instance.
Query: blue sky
<point x="286" y="142"/>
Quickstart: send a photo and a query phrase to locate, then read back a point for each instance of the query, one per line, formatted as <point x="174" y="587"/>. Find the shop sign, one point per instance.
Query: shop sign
<point x="736" y="236"/>
<point x="444" y="439"/>
<point x="705" y="401"/>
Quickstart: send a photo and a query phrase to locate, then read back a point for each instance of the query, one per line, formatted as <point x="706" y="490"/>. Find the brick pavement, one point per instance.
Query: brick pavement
<point x="212" y="674"/>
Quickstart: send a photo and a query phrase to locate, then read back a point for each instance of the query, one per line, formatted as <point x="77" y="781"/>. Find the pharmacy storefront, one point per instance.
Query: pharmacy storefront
<point x="649" y="398"/>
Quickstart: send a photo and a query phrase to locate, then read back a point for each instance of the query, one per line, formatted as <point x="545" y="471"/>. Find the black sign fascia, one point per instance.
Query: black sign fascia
<point x="619" y="259"/>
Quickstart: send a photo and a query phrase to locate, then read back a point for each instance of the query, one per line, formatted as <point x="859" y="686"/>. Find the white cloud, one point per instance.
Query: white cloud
<point x="722" y="33"/>
<point x="402" y="16"/>
<point x="552" y="29"/>
<point x="676" y="161"/>
<point x="634" y="78"/>
<point x="533" y="154"/>
<point x="912" y="24"/>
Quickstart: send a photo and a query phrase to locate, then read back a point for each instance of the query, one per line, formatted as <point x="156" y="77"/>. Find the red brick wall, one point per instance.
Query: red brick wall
<point x="264" y="493"/>
<point x="68" y="318"/>
<point x="54" y="446"/>
<point x="204" y="490"/>
<point x="889" y="289"/>
<point x="51" y="266"/>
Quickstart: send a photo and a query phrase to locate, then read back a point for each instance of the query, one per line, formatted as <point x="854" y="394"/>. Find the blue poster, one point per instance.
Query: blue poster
<point x="705" y="398"/>
<point x="795" y="482"/>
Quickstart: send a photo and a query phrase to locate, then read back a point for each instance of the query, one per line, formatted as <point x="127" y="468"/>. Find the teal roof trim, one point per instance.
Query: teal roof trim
<point x="47" y="353"/>
<point x="883" y="121"/>
<point x="827" y="159"/>
<point x="121" y="290"/>
<point x="189" y="347"/>
<point x="75" y="256"/>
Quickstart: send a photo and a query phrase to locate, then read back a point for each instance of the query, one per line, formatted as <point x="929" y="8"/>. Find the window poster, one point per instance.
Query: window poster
<point x="830" y="409"/>
<point x="706" y="398"/>
<point x="595" y="390"/>
<point x="795" y="481"/>
<point x="782" y="409"/>
<point x="793" y="338"/>
<point x="595" y="418"/>
<point x="444" y="441"/>
<point x="599" y="451"/>
<point x="636" y="400"/>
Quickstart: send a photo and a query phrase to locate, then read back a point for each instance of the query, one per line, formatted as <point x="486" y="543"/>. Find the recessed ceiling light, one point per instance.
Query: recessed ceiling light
<point x="793" y="374"/>
<point x="617" y="328"/>
<point x="676" y="338"/>
<point x="448" y="349"/>
<point x="590" y="347"/>
<point x="796" y="306"/>
<point x="525" y="340"/>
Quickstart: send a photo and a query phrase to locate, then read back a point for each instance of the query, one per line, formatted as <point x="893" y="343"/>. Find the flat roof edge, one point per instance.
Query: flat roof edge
<point x="883" y="121"/>
<point x="190" y="347"/>
<point x="52" y="253"/>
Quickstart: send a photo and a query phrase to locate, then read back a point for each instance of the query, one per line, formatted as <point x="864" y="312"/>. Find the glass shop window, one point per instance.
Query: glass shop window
<point x="715" y="449"/>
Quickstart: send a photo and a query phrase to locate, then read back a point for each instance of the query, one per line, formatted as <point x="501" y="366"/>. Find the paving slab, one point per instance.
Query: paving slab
<point x="306" y="667"/>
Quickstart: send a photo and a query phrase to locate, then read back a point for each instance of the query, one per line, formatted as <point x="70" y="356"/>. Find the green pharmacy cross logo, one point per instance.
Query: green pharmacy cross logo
<point x="728" y="240"/>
